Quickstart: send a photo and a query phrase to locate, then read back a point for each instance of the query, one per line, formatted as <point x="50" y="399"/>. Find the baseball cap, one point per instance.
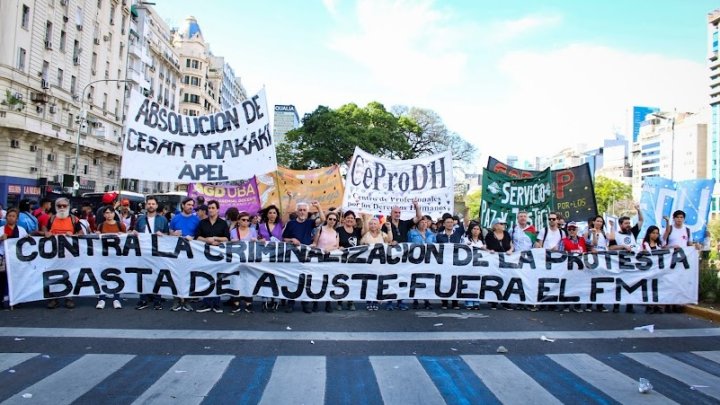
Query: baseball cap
<point x="498" y="221"/>
<point x="109" y="197"/>
<point x="125" y="202"/>
<point x="572" y="225"/>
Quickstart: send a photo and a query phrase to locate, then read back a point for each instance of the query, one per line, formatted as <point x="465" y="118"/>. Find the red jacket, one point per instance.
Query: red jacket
<point x="571" y="246"/>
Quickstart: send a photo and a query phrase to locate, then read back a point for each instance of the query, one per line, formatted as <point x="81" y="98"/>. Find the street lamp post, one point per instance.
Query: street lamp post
<point x="83" y="118"/>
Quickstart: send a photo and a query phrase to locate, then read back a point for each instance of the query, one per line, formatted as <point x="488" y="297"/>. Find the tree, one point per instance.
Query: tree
<point x="428" y="135"/>
<point x="329" y="136"/>
<point x="472" y="201"/>
<point x="607" y="191"/>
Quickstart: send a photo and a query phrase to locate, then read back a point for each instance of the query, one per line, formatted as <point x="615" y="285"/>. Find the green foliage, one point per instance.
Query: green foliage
<point x="608" y="191"/>
<point x="709" y="289"/>
<point x="329" y="136"/>
<point x="472" y="201"/>
<point x="714" y="228"/>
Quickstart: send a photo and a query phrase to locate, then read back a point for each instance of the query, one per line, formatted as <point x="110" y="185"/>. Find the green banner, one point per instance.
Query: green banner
<point x="504" y="196"/>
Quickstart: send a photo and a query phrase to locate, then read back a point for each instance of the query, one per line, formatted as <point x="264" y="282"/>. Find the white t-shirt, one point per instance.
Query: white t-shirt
<point x="678" y="236"/>
<point x="552" y="240"/>
<point x="472" y="243"/>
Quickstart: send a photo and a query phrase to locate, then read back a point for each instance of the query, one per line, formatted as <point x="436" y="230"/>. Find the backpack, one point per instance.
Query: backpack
<point x="77" y="226"/>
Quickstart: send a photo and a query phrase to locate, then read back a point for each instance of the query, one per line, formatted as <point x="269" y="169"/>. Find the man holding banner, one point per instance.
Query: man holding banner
<point x="299" y="232"/>
<point x="212" y="230"/>
<point x="626" y="239"/>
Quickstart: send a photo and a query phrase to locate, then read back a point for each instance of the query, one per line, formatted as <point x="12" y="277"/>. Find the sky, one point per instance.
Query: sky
<point x="524" y="78"/>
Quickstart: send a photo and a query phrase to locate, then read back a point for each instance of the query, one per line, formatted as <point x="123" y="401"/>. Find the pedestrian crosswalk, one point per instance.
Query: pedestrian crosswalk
<point x="683" y="377"/>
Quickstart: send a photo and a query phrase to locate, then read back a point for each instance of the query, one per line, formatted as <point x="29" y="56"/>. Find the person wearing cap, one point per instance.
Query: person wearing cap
<point x="127" y="217"/>
<point x="499" y="240"/>
<point x="572" y="243"/>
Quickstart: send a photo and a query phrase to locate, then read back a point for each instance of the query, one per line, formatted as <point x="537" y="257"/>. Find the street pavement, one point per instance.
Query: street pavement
<point x="127" y="356"/>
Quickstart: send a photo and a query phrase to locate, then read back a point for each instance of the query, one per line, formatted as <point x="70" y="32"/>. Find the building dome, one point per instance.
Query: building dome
<point x="190" y="28"/>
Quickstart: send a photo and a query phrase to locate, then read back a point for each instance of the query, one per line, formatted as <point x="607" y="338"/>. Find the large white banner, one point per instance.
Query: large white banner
<point x="64" y="266"/>
<point x="375" y="185"/>
<point x="163" y="145"/>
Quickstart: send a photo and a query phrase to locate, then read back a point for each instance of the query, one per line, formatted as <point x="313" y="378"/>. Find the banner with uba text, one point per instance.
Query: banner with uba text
<point x="243" y="196"/>
<point x="163" y="145"/>
<point x="375" y="185"/>
<point x="65" y="266"/>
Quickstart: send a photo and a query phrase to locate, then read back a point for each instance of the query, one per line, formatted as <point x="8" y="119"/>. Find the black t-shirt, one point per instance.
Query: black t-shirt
<point x="349" y="239"/>
<point x="400" y="232"/>
<point x="492" y="243"/>
<point x="206" y="229"/>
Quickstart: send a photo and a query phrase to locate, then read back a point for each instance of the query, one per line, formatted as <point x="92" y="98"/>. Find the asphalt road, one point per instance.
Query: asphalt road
<point x="353" y="356"/>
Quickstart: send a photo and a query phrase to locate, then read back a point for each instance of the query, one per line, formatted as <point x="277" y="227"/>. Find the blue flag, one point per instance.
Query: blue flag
<point x="661" y="197"/>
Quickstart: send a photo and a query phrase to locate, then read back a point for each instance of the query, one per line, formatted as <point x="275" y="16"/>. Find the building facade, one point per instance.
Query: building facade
<point x="713" y="158"/>
<point x="232" y="91"/>
<point x="671" y="145"/>
<point x="286" y="118"/>
<point x="201" y="83"/>
<point x="153" y="69"/>
<point x="58" y="57"/>
<point x="638" y="116"/>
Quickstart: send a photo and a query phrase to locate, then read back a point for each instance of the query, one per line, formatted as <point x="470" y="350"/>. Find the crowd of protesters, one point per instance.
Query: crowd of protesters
<point x="200" y="220"/>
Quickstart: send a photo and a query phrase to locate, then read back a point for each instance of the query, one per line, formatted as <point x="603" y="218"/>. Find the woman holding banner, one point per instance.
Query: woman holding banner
<point x="652" y="242"/>
<point x="10" y="230"/>
<point x="597" y="241"/>
<point x="499" y="240"/>
<point x="349" y="235"/>
<point x="111" y="226"/>
<point x="419" y="234"/>
<point x="241" y="231"/>
<point x="270" y="229"/>
<point x="473" y="238"/>
<point x="372" y="236"/>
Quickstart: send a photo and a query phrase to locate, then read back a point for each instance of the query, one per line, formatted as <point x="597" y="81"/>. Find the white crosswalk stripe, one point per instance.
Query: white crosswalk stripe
<point x="398" y="379"/>
<point x="614" y="383"/>
<point x="496" y="371"/>
<point x="679" y="371"/>
<point x="296" y="378"/>
<point x="68" y="384"/>
<point x="9" y="360"/>
<point x="394" y="374"/>
<point x="713" y="355"/>
<point x="187" y="381"/>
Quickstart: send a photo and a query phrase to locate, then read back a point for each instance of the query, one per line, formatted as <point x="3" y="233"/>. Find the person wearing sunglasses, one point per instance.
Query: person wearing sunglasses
<point x="62" y="223"/>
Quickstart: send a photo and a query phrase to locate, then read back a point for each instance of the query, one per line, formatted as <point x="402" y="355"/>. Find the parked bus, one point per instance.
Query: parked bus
<point x="172" y="200"/>
<point x="137" y="200"/>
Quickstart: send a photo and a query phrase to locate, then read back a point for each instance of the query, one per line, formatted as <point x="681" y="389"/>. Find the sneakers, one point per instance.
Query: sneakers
<point x="427" y="305"/>
<point x="69" y="304"/>
<point x="328" y="307"/>
<point x="100" y="304"/>
<point x="217" y="309"/>
<point x="158" y="305"/>
<point x="351" y="306"/>
<point x="117" y="304"/>
<point x="204" y="308"/>
<point x="402" y="307"/>
<point x="142" y="304"/>
<point x="176" y="306"/>
<point x="187" y="307"/>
